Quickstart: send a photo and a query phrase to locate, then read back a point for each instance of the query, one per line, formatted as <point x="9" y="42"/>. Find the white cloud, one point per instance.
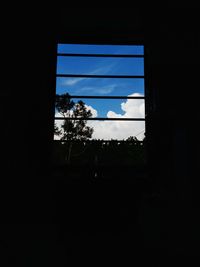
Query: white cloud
<point x="100" y="70"/>
<point x="72" y="81"/>
<point x="102" y="90"/>
<point x="117" y="129"/>
<point x="94" y="111"/>
<point x="120" y="129"/>
<point x="133" y="107"/>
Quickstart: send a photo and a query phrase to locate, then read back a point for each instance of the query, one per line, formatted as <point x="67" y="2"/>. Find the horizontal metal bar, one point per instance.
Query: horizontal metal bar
<point x="100" y="76"/>
<point x="106" y="97"/>
<point x="100" y="119"/>
<point x="77" y="41"/>
<point x="100" y="55"/>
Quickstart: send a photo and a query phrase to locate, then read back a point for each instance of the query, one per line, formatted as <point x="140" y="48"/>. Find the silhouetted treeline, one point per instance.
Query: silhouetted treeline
<point x="100" y="152"/>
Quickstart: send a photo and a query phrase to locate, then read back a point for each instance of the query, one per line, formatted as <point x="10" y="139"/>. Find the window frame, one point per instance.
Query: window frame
<point x="146" y="107"/>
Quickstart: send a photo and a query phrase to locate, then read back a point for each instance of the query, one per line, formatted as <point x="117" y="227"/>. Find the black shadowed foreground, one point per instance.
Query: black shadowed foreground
<point x="97" y="205"/>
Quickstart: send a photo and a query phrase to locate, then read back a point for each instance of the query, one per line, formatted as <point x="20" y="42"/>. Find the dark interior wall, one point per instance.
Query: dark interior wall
<point x="172" y="41"/>
<point x="174" y="63"/>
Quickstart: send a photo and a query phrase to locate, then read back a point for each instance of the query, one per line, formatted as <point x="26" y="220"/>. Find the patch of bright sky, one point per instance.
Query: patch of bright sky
<point x="101" y="87"/>
<point x="100" y="66"/>
<point x="104" y="105"/>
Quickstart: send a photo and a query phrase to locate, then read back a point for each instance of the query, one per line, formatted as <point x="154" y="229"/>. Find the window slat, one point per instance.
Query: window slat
<point x="99" y="55"/>
<point x="100" y="76"/>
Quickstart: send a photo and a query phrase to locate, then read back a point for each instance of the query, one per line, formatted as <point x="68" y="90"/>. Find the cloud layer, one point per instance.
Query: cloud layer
<point x="119" y="129"/>
<point x="122" y="129"/>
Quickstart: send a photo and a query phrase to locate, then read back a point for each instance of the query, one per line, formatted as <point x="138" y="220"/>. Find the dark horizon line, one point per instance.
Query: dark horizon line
<point x="102" y="140"/>
<point x="99" y="118"/>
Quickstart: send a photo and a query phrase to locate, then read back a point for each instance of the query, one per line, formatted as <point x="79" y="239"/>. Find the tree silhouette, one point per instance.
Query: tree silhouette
<point x="72" y="128"/>
<point x="56" y="130"/>
<point x="64" y="104"/>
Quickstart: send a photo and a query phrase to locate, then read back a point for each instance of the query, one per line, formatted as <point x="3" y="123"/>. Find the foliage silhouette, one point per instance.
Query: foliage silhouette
<point x="75" y="133"/>
<point x="73" y="128"/>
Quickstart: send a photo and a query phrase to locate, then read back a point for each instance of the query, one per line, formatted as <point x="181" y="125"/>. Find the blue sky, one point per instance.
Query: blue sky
<point x="102" y="86"/>
<point x="100" y="66"/>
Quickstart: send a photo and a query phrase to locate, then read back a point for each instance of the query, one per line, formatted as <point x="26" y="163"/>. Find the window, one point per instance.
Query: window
<point x="109" y="82"/>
